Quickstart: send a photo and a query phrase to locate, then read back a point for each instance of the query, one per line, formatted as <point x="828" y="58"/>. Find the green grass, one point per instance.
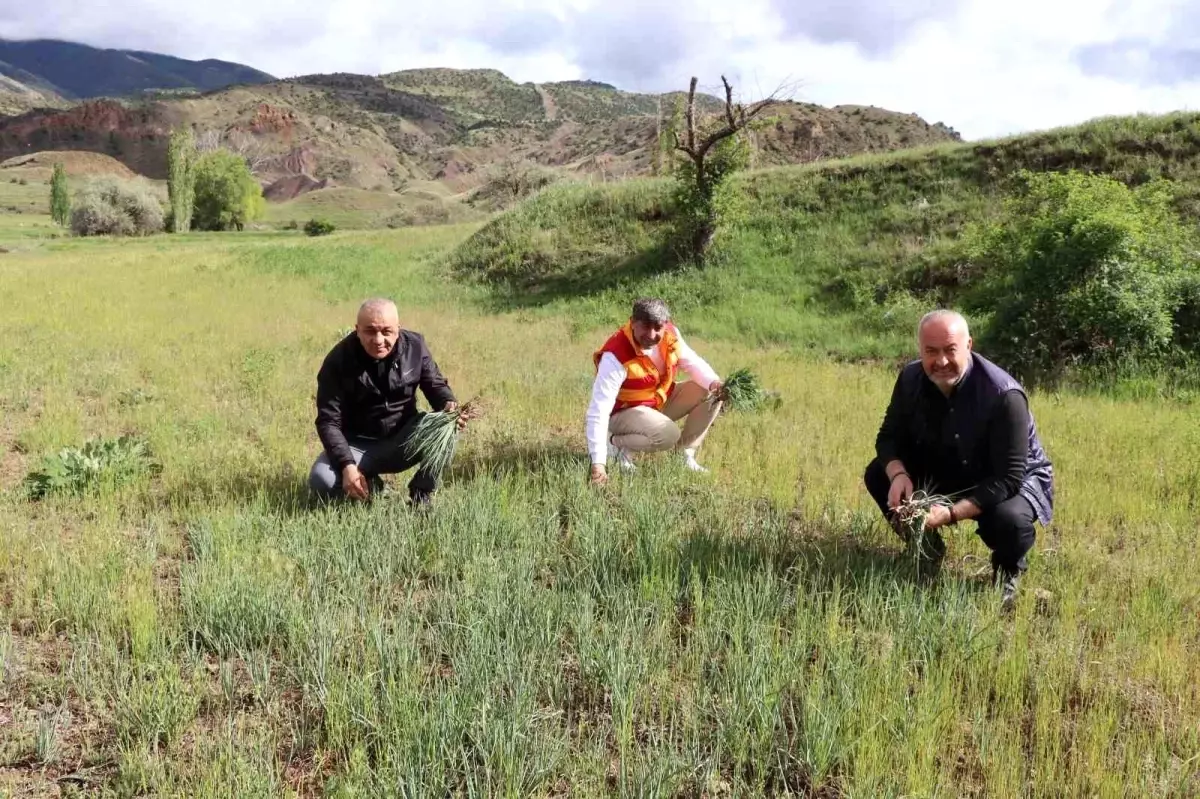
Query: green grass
<point x="203" y="631"/>
<point x="28" y="198"/>
<point x="350" y="208"/>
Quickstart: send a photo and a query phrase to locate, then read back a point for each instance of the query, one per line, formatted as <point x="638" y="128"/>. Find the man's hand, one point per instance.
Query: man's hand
<point x="599" y="475"/>
<point x="354" y="484"/>
<point x="901" y="489"/>
<point x="939" y="516"/>
<point x="714" y="388"/>
<point x="461" y="421"/>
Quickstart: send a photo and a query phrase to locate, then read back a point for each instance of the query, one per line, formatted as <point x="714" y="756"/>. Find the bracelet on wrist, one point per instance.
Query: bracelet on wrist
<point x="897" y="474"/>
<point x="953" y="516"/>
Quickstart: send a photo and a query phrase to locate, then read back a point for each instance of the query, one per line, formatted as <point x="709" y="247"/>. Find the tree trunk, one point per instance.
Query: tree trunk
<point x="702" y="239"/>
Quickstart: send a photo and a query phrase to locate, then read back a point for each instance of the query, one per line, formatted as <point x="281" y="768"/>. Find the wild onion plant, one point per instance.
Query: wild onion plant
<point x="742" y="391"/>
<point x="434" y="441"/>
<point x="913" y="512"/>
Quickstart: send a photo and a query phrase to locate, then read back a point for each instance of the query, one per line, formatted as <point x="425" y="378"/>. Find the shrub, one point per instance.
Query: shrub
<point x="426" y="213"/>
<point x="107" y="206"/>
<point x="1077" y="272"/>
<point x="112" y="462"/>
<point x="226" y="195"/>
<point x="318" y="227"/>
<point x="1185" y="301"/>
<point x="511" y="181"/>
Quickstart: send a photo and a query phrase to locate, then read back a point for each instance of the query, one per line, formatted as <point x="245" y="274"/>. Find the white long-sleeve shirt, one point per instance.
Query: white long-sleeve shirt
<point x="610" y="375"/>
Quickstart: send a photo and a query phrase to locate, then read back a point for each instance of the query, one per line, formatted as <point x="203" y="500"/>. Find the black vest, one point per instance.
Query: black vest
<point x="975" y="399"/>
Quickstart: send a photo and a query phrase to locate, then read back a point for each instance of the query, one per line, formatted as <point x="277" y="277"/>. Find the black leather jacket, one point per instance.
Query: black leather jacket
<point x="360" y="397"/>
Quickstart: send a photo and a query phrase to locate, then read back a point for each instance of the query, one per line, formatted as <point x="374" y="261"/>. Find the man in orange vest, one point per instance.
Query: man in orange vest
<point x="635" y="399"/>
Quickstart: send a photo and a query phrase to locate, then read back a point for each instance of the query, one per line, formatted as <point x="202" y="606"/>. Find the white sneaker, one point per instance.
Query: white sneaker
<point x="624" y="461"/>
<point x="689" y="461"/>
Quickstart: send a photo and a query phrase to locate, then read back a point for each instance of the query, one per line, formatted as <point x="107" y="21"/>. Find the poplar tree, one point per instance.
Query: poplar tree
<point x="181" y="179"/>
<point x="60" y="198"/>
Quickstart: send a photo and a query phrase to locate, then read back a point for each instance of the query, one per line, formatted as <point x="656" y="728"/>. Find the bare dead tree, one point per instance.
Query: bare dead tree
<point x="208" y="140"/>
<point x="697" y="145"/>
<point x="250" y="148"/>
<point x="245" y="145"/>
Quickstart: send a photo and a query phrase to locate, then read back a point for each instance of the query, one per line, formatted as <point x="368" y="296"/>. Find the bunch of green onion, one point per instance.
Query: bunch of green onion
<point x="435" y="439"/>
<point x="742" y="391"/>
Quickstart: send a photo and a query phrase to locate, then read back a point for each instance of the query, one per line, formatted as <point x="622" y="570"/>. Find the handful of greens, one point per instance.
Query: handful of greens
<point x="742" y="391"/>
<point x="436" y="437"/>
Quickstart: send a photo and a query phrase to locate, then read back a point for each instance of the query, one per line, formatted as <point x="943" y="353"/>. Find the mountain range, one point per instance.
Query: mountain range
<point x="49" y="71"/>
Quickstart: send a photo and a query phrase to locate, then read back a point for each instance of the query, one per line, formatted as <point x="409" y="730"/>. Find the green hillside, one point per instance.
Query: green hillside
<point x="837" y="258"/>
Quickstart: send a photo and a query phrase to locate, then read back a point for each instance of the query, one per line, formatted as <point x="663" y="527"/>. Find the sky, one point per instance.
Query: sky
<point x="987" y="68"/>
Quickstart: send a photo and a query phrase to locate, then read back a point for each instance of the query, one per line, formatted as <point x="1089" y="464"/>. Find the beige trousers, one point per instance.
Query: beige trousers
<point x="644" y="429"/>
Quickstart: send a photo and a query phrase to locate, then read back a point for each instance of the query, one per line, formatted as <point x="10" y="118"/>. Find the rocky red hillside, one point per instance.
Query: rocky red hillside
<point x="432" y="125"/>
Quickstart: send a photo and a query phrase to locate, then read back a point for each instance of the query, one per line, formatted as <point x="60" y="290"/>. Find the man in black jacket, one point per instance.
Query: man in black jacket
<point x="367" y="406"/>
<point x="959" y="425"/>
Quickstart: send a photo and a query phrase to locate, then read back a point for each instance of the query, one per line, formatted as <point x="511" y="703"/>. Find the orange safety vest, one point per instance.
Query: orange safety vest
<point x="643" y="384"/>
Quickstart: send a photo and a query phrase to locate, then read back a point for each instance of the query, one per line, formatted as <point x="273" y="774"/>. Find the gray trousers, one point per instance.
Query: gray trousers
<point x="373" y="457"/>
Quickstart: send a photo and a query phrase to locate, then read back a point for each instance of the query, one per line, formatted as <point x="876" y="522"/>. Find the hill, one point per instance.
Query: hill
<point x="40" y="166"/>
<point x="21" y="92"/>
<point x="451" y="127"/>
<point x="837" y="258"/>
<point x="77" y="71"/>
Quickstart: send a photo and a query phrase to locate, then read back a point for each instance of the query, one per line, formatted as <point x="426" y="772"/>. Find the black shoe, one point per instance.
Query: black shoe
<point x="420" y="499"/>
<point x="1009" y="582"/>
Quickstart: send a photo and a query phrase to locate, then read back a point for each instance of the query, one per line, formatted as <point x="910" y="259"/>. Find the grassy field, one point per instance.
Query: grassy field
<point x="203" y="631"/>
<point x="358" y="209"/>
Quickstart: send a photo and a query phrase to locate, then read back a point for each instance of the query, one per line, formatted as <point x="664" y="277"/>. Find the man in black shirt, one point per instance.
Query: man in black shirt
<point x="367" y="406"/>
<point x="959" y="425"/>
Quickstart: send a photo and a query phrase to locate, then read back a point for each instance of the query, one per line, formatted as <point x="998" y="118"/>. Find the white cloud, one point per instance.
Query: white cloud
<point x="984" y="67"/>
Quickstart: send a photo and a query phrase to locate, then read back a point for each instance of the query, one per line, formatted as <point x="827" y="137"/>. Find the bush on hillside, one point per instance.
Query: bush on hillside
<point x="226" y="195"/>
<point x="425" y="213"/>
<point x="111" y="207"/>
<point x="510" y="182"/>
<point x="319" y="227"/>
<point x="1078" y="272"/>
<point x="1185" y="301"/>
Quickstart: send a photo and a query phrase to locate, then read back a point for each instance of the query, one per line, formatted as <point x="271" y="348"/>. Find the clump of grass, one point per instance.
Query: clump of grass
<point x="107" y="461"/>
<point x="742" y="391"/>
<point x="434" y="441"/>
